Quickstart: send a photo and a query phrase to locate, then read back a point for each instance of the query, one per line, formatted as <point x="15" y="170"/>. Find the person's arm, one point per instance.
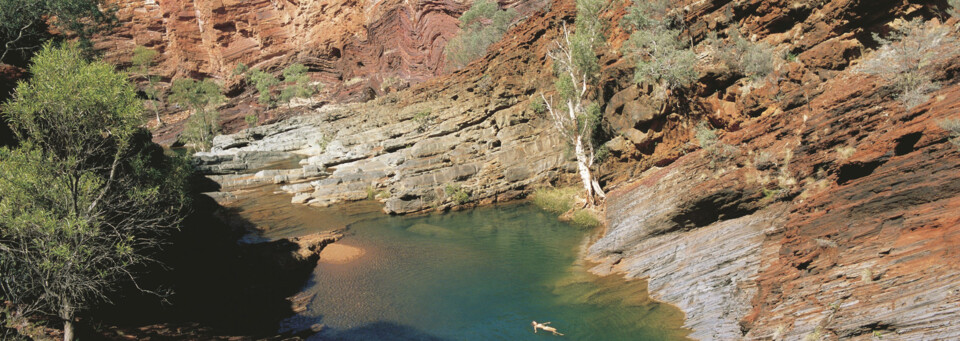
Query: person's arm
<point x="546" y="323"/>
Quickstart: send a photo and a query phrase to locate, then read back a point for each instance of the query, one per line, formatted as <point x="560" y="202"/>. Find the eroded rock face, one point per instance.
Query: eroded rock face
<point x="473" y="129"/>
<point x="352" y="47"/>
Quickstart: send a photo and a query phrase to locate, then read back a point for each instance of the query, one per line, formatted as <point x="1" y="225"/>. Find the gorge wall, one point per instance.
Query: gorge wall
<point x="354" y="47"/>
<point x="837" y="218"/>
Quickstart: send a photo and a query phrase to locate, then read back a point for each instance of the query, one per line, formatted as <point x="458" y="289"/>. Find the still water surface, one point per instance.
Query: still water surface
<point x="480" y="274"/>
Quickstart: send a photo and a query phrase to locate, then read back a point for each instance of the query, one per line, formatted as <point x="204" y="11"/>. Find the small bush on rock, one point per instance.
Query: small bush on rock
<point x="251" y="120"/>
<point x="457" y="194"/>
<point x="953" y="127"/>
<point x="298" y="83"/>
<point x="203" y="97"/>
<point x="264" y="82"/>
<point x="718" y="151"/>
<point x="910" y="57"/>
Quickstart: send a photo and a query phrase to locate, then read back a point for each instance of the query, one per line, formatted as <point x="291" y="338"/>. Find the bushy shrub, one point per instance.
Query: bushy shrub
<point x="264" y="83"/>
<point x="718" y="151"/>
<point x="556" y="200"/>
<point x="953" y="127"/>
<point x="423" y="119"/>
<point x="537" y="106"/>
<point x="203" y="97"/>
<point x="739" y="54"/>
<point x="240" y="69"/>
<point x="457" y="194"/>
<point x="603" y="152"/>
<point x="483" y="24"/>
<point x="663" y="59"/>
<point x="909" y="58"/>
<point x="141" y="62"/>
<point x="298" y="83"/>
<point x="251" y="120"/>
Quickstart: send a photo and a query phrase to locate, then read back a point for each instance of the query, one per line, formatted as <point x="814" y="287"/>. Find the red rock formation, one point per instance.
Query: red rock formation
<point x="351" y="46"/>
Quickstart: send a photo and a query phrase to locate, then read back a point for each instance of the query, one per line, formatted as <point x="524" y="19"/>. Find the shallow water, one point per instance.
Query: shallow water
<point x="480" y="274"/>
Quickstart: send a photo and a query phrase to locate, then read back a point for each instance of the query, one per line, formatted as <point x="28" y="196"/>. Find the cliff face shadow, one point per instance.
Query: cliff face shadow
<point x="383" y="331"/>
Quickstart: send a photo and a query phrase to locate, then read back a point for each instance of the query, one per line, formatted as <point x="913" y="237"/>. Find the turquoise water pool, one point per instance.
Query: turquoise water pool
<point x="480" y="274"/>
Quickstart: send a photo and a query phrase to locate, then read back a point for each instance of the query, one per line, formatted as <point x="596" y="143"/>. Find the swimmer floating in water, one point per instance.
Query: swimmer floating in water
<point x="545" y="328"/>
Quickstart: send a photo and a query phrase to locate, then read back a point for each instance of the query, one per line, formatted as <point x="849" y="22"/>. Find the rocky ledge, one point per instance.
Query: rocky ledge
<point x="411" y="161"/>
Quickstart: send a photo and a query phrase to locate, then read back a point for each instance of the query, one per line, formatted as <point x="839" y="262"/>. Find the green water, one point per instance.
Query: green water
<point x="481" y="274"/>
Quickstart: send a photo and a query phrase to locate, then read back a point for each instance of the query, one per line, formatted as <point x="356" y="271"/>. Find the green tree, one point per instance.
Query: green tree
<point x="240" y="69"/>
<point x="264" y="82"/>
<point x="297" y="83"/>
<point x="24" y="24"/>
<point x="202" y="97"/>
<point x="85" y="196"/>
<point x="141" y="62"/>
<point x="577" y="68"/>
<point x="481" y="25"/>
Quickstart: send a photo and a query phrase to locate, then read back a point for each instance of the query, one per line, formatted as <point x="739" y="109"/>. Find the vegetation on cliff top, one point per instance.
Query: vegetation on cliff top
<point x="86" y="195"/>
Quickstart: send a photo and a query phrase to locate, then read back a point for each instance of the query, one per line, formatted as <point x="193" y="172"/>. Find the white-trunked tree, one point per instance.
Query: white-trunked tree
<point x="576" y="66"/>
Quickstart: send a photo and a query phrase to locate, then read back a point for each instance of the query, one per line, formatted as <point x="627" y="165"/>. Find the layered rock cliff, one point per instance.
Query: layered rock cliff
<point x="356" y="48"/>
<point x="836" y="218"/>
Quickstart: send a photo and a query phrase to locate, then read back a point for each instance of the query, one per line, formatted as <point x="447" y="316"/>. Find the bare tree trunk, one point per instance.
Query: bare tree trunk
<point x="68" y="330"/>
<point x="584" y="168"/>
<point x="66" y="313"/>
<point x="157" y="111"/>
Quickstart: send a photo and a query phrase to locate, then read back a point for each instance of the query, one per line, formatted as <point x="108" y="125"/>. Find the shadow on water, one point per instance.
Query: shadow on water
<point x="384" y="331"/>
<point x="218" y="284"/>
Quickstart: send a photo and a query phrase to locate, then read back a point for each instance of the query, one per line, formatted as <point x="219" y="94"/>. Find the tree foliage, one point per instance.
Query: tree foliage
<point x="576" y="67"/>
<point x="202" y="97"/>
<point x="70" y="104"/>
<point x="141" y="63"/>
<point x="663" y="59"/>
<point x="25" y="24"/>
<point x="264" y="82"/>
<point x="483" y="24"/>
<point x="85" y="195"/>
<point x="297" y="83"/>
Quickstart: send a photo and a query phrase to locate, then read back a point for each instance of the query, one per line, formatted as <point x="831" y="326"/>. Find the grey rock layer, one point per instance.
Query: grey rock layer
<point x="492" y="153"/>
<point x="709" y="272"/>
